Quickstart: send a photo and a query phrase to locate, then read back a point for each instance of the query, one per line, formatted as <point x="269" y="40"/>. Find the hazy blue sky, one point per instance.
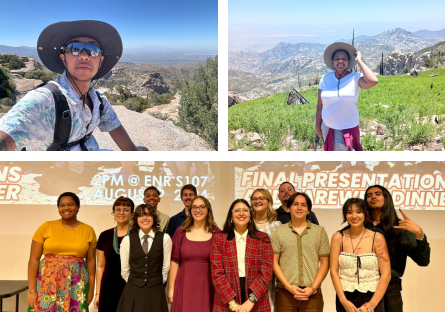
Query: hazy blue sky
<point x="190" y="24"/>
<point x="287" y="12"/>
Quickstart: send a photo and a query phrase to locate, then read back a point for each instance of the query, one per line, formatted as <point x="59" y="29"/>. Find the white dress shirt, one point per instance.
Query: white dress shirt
<point x="241" y="241"/>
<point x="125" y="254"/>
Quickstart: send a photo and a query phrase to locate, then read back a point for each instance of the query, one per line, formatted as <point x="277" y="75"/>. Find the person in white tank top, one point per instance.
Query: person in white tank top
<point x="359" y="264"/>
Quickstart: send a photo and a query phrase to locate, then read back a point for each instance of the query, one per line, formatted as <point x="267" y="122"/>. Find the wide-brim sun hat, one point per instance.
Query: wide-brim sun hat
<point x="339" y="46"/>
<point x="56" y="35"/>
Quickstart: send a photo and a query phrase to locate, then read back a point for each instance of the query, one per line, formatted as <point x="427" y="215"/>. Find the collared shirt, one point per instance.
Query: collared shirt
<point x="125" y="253"/>
<point x="164" y="220"/>
<point x="300" y="253"/>
<point x="241" y="242"/>
<point x="30" y="122"/>
<point x="284" y="216"/>
<point x="175" y="222"/>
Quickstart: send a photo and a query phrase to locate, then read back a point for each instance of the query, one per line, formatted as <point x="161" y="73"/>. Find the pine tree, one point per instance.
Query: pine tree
<point x="198" y="110"/>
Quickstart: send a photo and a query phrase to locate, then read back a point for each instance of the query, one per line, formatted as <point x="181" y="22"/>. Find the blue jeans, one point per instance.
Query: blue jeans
<point x="339" y="142"/>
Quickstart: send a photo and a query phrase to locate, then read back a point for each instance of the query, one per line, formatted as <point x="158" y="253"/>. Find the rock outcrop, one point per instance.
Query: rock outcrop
<point x="396" y="61"/>
<point x="30" y="63"/>
<point x="235" y="98"/>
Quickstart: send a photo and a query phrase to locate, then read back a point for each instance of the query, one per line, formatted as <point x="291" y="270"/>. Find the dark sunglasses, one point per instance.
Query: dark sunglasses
<point x="76" y="48"/>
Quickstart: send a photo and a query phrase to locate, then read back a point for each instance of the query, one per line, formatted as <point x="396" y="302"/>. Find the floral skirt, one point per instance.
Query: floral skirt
<point x="62" y="285"/>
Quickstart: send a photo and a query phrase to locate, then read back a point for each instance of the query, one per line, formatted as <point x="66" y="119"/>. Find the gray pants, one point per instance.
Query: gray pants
<point x="339" y="142"/>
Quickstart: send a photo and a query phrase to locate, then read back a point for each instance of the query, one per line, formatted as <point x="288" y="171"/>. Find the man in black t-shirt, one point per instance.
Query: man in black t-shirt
<point x="285" y="191"/>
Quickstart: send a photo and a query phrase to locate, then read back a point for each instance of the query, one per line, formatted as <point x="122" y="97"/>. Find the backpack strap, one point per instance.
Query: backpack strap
<point x="62" y="126"/>
<point x="101" y="106"/>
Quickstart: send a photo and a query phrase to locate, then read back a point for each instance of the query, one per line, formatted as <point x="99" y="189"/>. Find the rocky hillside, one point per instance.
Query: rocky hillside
<point x="396" y="61"/>
<point x="144" y="79"/>
<point x="399" y="39"/>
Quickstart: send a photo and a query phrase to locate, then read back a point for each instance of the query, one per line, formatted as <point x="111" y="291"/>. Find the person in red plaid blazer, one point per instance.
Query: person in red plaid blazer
<point x="241" y="260"/>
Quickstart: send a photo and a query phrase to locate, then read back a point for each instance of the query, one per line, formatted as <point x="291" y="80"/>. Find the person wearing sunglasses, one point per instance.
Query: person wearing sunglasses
<point x="241" y="260"/>
<point x="337" y="118"/>
<point x="190" y="286"/>
<point x="82" y="51"/>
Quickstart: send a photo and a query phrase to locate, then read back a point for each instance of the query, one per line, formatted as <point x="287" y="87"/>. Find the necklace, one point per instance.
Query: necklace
<point x="354" y="249"/>
<point x="261" y="222"/>
<point x="115" y="244"/>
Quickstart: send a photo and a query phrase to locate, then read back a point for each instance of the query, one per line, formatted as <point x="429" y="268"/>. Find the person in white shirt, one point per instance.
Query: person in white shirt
<point x="145" y="262"/>
<point x="337" y="118"/>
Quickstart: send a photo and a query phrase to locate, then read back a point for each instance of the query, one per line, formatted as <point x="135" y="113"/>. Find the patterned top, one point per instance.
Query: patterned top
<point x="61" y="241"/>
<point x="269" y="228"/>
<point x="30" y="122"/>
<point x="300" y="254"/>
<point x="359" y="272"/>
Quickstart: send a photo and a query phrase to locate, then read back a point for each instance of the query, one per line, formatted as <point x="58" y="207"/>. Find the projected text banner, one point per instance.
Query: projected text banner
<point x="330" y="184"/>
<point x="100" y="183"/>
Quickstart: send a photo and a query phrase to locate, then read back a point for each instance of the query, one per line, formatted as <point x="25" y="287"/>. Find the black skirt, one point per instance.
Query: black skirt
<point x="358" y="299"/>
<point x="143" y="299"/>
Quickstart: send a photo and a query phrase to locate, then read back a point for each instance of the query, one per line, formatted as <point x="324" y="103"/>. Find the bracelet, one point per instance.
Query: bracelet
<point x="314" y="290"/>
<point x="366" y="306"/>
<point x="233" y="306"/>
<point x="32" y="291"/>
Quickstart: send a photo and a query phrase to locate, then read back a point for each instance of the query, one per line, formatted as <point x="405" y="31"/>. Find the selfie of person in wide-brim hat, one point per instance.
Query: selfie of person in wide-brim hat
<point x="337" y="117"/>
<point x="62" y="115"/>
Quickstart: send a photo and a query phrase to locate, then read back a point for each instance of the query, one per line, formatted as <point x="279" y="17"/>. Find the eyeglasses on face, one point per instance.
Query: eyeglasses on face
<point x="340" y="59"/>
<point x="200" y="208"/>
<point x="239" y="210"/>
<point x="254" y="199"/>
<point x="76" y="48"/>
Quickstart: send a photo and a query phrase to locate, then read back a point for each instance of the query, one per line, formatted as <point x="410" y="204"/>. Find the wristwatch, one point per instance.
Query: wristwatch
<point x="253" y="298"/>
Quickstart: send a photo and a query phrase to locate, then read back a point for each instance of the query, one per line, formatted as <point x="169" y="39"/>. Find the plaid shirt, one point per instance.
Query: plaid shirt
<point x="224" y="265"/>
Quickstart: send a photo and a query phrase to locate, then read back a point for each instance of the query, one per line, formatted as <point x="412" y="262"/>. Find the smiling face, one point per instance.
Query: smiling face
<point x="240" y="215"/>
<point x="299" y="208"/>
<point x="340" y="61"/>
<point x="259" y="202"/>
<point x="152" y="198"/>
<point x="145" y="221"/>
<point x="122" y="213"/>
<point x="187" y="197"/>
<point x="68" y="208"/>
<point x="375" y="198"/>
<point x="199" y="210"/>
<point x="82" y="67"/>
<point x="355" y="215"/>
<point x="286" y="190"/>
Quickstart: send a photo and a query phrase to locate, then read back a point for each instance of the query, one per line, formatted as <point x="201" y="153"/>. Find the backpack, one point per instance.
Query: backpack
<point x="62" y="127"/>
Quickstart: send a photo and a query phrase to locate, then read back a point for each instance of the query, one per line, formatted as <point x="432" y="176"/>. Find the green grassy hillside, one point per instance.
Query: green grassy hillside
<point x="410" y="100"/>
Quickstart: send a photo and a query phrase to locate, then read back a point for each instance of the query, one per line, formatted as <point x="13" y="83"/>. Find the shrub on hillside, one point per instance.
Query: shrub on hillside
<point x="198" y="110"/>
<point x="6" y="102"/>
<point x="40" y="74"/>
<point x="405" y="70"/>
<point x="14" y="62"/>
<point x="7" y="86"/>
<point x="133" y="104"/>
<point x="428" y="63"/>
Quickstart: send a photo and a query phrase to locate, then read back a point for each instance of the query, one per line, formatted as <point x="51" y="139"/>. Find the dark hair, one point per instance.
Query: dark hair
<point x="72" y="195"/>
<point x="285" y="183"/>
<point x="142" y="210"/>
<point x="125" y="201"/>
<point x="388" y="218"/>
<point x="229" y="227"/>
<point x="152" y="188"/>
<point x="291" y="200"/>
<point x="210" y="224"/>
<point x="333" y="54"/>
<point x="190" y="187"/>
<point x="359" y="203"/>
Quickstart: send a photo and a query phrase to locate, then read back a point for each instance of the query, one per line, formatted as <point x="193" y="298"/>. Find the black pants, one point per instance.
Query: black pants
<point x="358" y="299"/>
<point x="393" y="296"/>
<point x="242" y="284"/>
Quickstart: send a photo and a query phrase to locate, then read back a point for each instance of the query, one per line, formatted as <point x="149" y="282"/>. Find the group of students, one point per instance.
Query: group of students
<point x="262" y="260"/>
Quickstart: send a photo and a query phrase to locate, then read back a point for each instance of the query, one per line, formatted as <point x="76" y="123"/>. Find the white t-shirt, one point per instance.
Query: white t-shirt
<point x="339" y="103"/>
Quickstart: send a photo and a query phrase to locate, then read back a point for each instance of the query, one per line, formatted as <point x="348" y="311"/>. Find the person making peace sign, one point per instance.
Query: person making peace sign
<point x="404" y="239"/>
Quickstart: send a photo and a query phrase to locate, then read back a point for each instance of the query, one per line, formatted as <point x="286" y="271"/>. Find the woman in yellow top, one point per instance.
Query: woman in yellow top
<point x="61" y="282"/>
